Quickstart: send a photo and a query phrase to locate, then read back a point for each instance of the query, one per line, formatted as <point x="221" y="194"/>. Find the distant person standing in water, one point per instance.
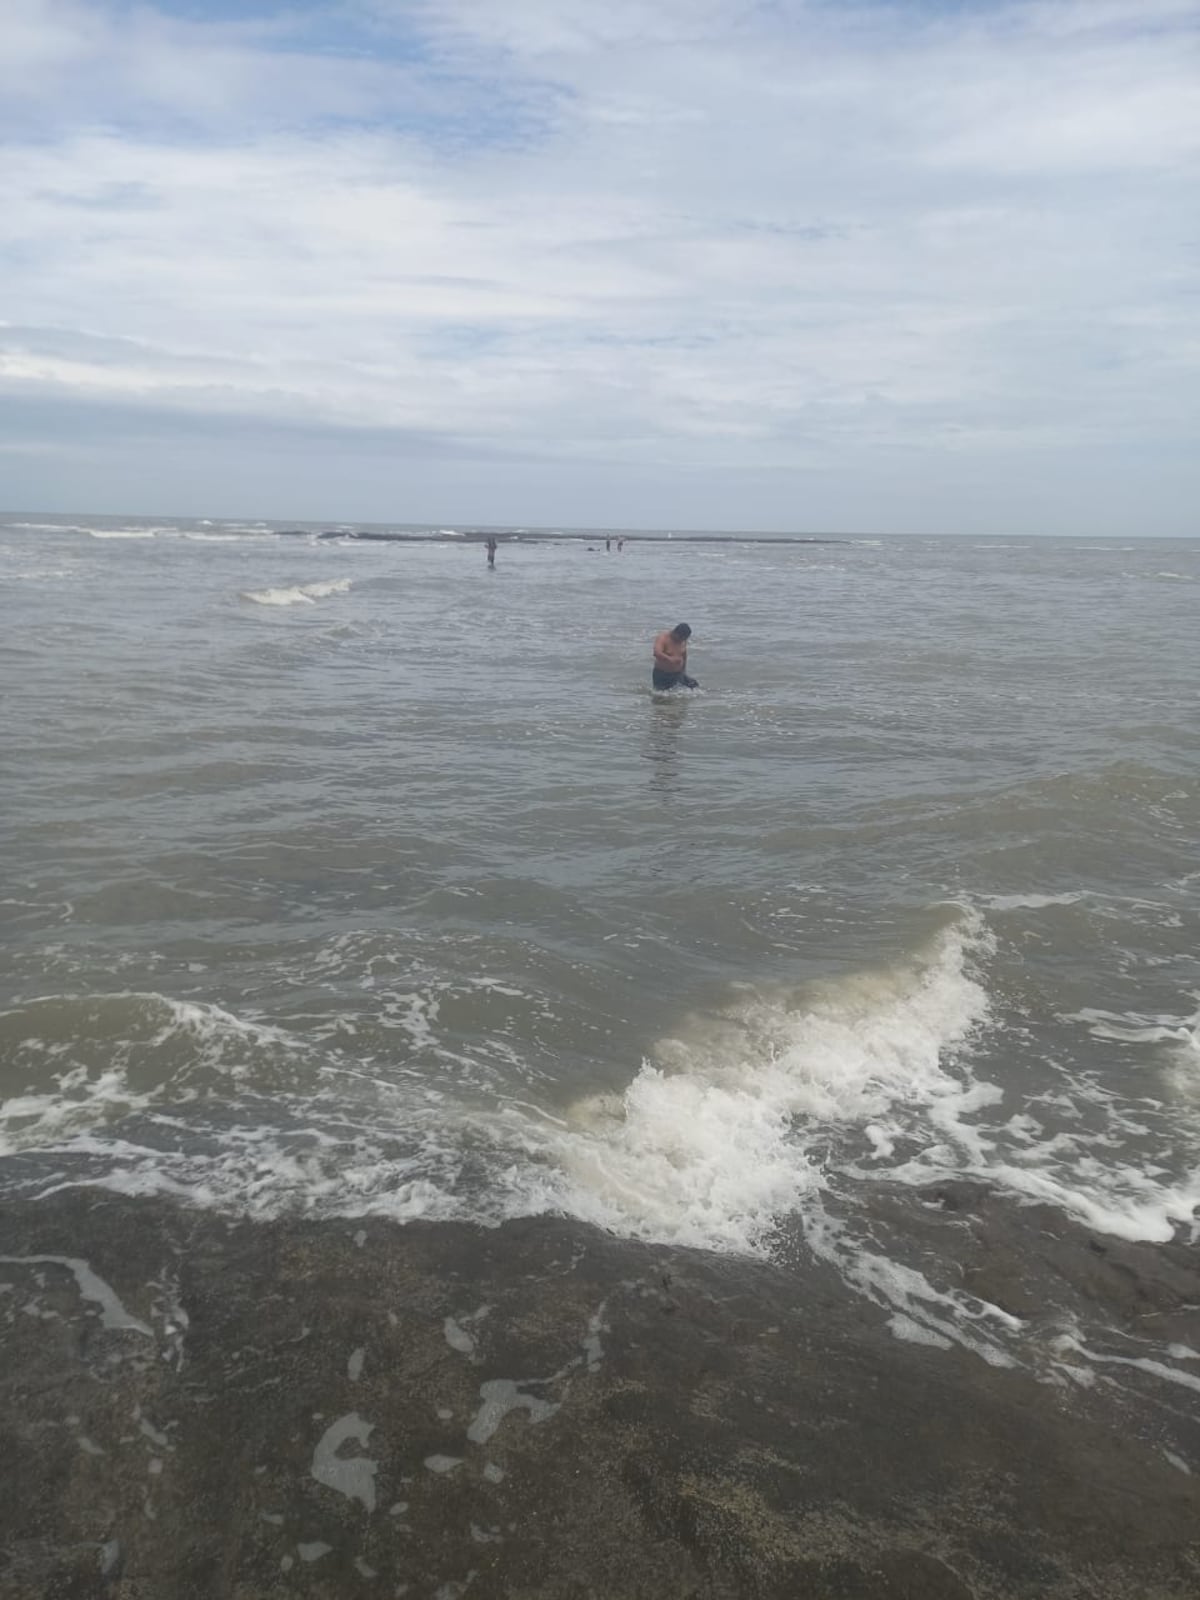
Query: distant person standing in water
<point x="491" y="550"/>
<point x="670" y="659"/>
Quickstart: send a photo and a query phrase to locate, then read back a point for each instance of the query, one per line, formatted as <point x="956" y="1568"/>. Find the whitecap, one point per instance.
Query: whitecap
<point x="305" y="594"/>
<point x="722" y="1133"/>
<point x="49" y="527"/>
<point x="1137" y="1028"/>
<point x="1031" y="902"/>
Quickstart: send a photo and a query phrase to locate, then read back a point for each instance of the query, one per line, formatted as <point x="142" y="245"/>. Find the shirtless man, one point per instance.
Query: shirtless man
<point x="670" y="659"/>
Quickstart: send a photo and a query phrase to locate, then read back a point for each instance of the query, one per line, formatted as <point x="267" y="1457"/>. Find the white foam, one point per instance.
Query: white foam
<point x="1031" y="902"/>
<point x="1137" y="1028"/>
<point x="920" y="1312"/>
<point x="78" y="1102"/>
<point x="713" y="1144"/>
<point x="741" y="1119"/>
<point x="458" y="1338"/>
<point x="134" y="1026"/>
<point x="905" y="1328"/>
<point x="745" y="1116"/>
<point x="50" y="527"/>
<point x="500" y="1396"/>
<point x="91" y="1287"/>
<point x="305" y="594"/>
<point x="351" y="1476"/>
<point x="123" y="533"/>
<point x="1107" y="1196"/>
<point x="215" y="1026"/>
<point x="593" y="1346"/>
<point x="1156" y="1369"/>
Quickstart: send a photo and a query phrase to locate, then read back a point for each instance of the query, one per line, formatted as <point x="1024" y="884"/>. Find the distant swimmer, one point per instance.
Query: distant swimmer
<point x="491" y="550"/>
<point x="670" y="659"/>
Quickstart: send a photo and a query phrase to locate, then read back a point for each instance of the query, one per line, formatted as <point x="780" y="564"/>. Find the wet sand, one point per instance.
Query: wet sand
<point x="197" y="1407"/>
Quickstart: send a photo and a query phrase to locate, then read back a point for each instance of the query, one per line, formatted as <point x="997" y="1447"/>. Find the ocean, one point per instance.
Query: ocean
<point x="344" y="878"/>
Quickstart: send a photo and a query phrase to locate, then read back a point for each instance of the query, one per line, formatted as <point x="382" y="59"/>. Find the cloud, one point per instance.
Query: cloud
<point x="721" y="253"/>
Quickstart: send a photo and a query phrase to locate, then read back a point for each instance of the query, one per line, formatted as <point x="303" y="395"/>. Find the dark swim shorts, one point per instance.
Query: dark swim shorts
<point x="671" y="680"/>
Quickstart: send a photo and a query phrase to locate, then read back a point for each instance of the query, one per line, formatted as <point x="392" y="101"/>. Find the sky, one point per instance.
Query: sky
<point x="792" y="265"/>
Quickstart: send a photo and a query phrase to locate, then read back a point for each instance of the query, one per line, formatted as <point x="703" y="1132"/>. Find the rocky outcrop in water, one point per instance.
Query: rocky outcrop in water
<point x="194" y="1407"/>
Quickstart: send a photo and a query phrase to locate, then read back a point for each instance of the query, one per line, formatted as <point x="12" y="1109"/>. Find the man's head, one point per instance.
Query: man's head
<point x="681" y="631"/>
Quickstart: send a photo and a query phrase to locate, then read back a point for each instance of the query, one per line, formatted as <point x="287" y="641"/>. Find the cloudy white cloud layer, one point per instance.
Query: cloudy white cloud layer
<point x="701" y="262"/>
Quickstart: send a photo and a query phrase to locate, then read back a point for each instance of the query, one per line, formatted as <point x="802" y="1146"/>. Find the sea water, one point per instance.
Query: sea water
<point x="346" y="877"/>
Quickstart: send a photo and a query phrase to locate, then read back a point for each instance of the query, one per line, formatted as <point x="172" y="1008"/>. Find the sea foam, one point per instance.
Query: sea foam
<point x="724" y="1131"/>
<point x="305" y="594"/>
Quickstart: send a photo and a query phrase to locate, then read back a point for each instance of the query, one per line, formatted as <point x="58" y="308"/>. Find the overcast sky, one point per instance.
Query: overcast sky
<point x="689" y="263"/>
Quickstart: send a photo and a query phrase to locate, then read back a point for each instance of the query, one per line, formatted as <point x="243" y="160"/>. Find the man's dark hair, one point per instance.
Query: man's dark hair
<point x="681" y="631"/>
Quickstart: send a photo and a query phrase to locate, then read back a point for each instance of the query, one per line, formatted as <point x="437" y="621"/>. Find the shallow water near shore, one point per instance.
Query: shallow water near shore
<point x="348" y="878"/>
